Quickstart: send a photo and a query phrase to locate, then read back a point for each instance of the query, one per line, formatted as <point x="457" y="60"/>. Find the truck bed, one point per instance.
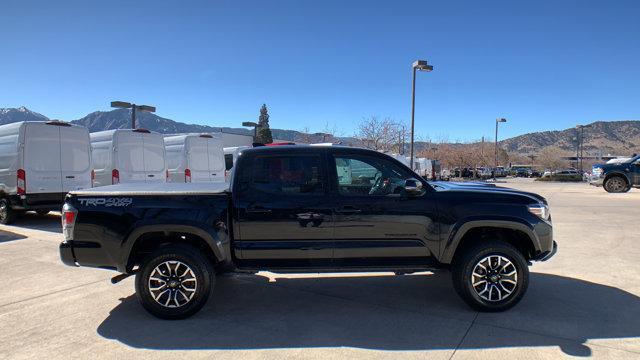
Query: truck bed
<point x="155" y="189"/>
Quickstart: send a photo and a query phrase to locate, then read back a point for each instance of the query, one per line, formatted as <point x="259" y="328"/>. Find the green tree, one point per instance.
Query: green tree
<point x="264" y="135"/>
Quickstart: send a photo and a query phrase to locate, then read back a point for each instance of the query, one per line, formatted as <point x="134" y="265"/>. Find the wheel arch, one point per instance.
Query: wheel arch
<point x="521" y="236"/>
<point x="146" y="239"/>
<point x="617" y="173"/>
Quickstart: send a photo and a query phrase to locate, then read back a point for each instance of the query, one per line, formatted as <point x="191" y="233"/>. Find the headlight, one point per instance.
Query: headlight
<point x="540" y="210"/>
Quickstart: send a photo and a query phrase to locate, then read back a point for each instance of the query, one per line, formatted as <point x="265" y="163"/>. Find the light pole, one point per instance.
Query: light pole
<point x="133" y="107"/>
<point x="498" y="120"/>
<point x="255" y="128"/>
<point x="580" y="149"/>
<point x="420" y="65"/>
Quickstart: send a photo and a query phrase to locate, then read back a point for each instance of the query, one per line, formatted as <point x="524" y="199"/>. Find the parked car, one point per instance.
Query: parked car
<point x="308" y="208"/>
<point x="522" y="172"/>
<point x="39" y="163"/>
<point x="194" y="158"/>
<point x="123" y="156"/>
<point x="617" y="177"/>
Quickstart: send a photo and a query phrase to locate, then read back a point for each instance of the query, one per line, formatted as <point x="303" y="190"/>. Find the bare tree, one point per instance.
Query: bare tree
<point x="551" y="158"/>
<point x="382" y="134"/>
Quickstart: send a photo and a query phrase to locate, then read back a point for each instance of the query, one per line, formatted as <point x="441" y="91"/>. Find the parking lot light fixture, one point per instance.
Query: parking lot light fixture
<point x="418" y="65"/>
<point x="498" y="120"/>
<point x="134" y="108"/>
<point x="254" y="125"/>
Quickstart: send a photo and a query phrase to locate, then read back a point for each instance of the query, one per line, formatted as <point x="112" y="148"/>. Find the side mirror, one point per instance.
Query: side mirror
<point x="413" y="186"/>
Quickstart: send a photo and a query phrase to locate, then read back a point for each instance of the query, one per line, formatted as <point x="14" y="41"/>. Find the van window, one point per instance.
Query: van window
<point x="287" y="175"/>
<point x="228" y="161"/>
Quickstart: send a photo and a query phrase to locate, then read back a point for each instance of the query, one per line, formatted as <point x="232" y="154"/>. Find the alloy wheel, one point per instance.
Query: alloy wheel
<point x="494" y="278"/>
<point x="172" y="284"/>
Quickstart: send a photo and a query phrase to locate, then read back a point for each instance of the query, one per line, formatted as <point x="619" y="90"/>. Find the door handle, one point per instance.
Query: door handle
<point x="70" y="177"/>
<point x="348" y="210"/>
<point x="258" y="210"/>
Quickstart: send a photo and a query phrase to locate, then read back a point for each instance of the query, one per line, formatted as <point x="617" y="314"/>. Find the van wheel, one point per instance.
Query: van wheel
<point x="7" y="214"/>
<point x="42" y="212"/>
<point x="491" y="276"/>
<point x="174" y="282"/>
<point x="616" y="184"/>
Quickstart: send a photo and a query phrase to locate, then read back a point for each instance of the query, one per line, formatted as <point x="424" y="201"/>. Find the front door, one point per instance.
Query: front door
<point x="377" y="224"/>
<point x="284" y="217"/>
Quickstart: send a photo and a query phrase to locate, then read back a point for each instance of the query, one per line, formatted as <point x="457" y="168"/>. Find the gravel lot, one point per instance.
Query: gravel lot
<point x="583" y="302"/>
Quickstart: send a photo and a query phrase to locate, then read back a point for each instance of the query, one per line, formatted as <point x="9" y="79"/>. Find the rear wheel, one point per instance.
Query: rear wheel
<point x="491" y="276"/>
<point x="7" y="214"/>
<point x="174" y="282"/>
<point x="616" y="184"/>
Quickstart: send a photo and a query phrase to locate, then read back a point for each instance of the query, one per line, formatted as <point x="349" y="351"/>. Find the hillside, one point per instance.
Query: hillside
<point x="605" y="136"/>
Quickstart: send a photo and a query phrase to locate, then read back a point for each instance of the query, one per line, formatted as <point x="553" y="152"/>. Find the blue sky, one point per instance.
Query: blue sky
<point x="541" y="64"/>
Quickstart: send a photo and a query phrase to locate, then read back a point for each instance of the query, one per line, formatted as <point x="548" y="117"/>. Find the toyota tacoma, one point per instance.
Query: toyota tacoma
<point x="308" y="209"/>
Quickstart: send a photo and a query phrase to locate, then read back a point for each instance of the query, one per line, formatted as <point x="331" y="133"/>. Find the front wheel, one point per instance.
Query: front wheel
<point x="616" y="184"/>
<point x="174" y="282"/>
<point x="491" y="276"/>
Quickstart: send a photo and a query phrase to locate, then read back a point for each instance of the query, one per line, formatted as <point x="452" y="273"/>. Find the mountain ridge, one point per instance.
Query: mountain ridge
<point x="599" y="136"/>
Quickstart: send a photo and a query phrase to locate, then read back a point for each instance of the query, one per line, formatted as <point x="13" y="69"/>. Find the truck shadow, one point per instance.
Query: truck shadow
<point x="418" y="312"/>
<point x="6" y="236"/>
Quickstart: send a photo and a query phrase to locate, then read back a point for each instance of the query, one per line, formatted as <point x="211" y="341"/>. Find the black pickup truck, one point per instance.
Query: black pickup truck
<point x="308" y="209"/>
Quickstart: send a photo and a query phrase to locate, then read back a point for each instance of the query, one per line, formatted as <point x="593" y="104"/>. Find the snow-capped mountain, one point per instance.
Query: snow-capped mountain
<point x="11" y="115"/>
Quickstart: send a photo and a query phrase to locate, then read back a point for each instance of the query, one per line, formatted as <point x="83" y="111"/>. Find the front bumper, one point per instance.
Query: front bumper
<point x="547" y="254"/>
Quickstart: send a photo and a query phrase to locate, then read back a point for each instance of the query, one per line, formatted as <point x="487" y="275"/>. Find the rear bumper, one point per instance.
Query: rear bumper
<point x="66" y="254"/>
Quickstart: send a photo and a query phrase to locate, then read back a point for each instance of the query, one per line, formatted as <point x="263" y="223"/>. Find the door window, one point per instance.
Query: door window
<point x="299" y="175"/>
<point x="369" y="176"/>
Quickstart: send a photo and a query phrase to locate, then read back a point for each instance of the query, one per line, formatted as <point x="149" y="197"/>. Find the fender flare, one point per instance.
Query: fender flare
<point x="461" y="230"/>
<point x="211" y="237"/>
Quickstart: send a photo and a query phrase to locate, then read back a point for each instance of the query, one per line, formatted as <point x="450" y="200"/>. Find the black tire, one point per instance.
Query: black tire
<point x="7" y="214"/>
<point x="42" y="212"/>
<point x="616" y="184"/>
<point x="201" y="271"/>
<point x="463" y="269"/>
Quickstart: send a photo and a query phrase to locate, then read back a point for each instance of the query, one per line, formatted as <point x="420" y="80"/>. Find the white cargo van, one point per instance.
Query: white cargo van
<point x="194" y="158"/>
<point x="230" y="157"/>
<point x="126" y="156"/>
<point x="39" y="163"/>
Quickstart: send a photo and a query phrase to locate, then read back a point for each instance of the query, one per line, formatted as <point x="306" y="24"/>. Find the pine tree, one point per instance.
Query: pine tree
<point x="264" y="132"/>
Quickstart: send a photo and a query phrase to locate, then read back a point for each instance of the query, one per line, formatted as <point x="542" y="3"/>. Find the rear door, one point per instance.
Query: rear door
<point x="198" y="159"/>
<point x="216" y="160"/>
<point x="42" y="158"/>
<point x="130" y="156"/>
<point x="154" y="162"/>
<point x="75" y="160"/>
<point x="284" y="217"/>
